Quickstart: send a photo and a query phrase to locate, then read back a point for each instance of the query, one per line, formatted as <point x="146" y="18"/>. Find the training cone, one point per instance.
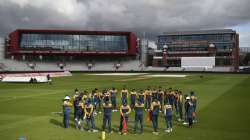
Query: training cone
<point x="124" y="126"/>
<point x="149" y="117"/>
<point x="103" y="135"/>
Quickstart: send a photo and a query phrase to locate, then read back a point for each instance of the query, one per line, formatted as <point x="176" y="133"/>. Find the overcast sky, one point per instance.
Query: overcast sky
<point x="150" y="16"/>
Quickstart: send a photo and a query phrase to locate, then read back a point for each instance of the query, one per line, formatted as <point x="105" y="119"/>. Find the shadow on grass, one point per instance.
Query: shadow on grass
<point x="56" y="122"/>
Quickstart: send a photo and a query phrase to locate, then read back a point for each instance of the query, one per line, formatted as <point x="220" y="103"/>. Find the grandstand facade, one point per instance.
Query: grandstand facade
<point x="221" y="44"/>
<point x="30" y="44"/>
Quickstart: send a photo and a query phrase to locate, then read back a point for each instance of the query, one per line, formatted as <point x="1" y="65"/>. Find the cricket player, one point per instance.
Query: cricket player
<point x="66" y="111"/>
<point x="85" y="96"/>
<point x="139" y="107"/>
<point x="107" y="115"/>
<point x="113" y="93"/>
<point x="106" y="95"/>
<point x="190" y="111"/>
<point x="124" y="95"/>
<point x="180" y="105"/>
<point x="132" y="98"/>
<point x="141" y="96"/>
<point x="186" y="97"/>
<point x="99" y="101"/>
<point x="90" y="96"/>
<point x="78" y="103"/>
<point x="124" y="111"/>
<point x="171" y="98"/>
<point x="148" y="95"/>
<point x="176" y="105"/>
<point x="95" y="100"/>
<point x="154" y="94"/>
<point x="49" y="79"/>
<point x="160" y="94"/>
<point x="155" y="108"/>
<point x="88" y="110"/>
<point x="194" y="102"/>
<point x="76" y="94"/>
<point x="166" y="96"/>
<point x="168" y="113"/>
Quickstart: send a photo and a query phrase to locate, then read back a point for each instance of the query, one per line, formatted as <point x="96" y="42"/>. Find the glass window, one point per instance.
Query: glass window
<point x="227" y="37"/>
<point x="219" y="37"/>
<point x="75" y="42"/>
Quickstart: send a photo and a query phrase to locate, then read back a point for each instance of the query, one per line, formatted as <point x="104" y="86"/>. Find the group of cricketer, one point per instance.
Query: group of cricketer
<point x="154" y="101"/>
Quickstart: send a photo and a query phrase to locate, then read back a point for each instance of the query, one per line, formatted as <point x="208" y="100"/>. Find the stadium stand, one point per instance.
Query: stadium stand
<point x="27" y="59"/>
<point x="2" y="67"/>
<point x="132" y="65"/>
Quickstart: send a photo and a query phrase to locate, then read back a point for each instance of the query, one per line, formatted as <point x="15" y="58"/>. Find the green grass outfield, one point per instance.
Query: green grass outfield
<point x="223" y="108"/>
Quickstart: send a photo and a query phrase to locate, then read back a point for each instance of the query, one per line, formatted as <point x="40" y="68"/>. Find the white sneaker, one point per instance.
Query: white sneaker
<point x="185" y="123"/>
<point x="171" y="129"/>
<point x="100" y="112"/>
<point x="94" y="130"/>
<point x="167" y="130"/>
<point x="113" y="110"/>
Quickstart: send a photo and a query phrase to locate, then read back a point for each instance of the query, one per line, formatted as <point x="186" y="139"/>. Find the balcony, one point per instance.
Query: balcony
<point x="187" y="52"/>
<point x="224" y="50"/>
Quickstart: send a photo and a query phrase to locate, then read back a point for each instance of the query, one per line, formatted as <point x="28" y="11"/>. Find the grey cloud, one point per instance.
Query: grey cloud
<point x="150" y="16"/>
<point x="13" y="17"/>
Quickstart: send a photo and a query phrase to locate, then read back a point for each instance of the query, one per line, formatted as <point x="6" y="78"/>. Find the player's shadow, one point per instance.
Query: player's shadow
<point x="56" y="122"/>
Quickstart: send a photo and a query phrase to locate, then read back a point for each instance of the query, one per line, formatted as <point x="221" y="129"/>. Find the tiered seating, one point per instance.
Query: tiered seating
<point x="14" y="65"/>
<point x="220" y="69"/>
<point x="3" y="67"/>
<point x="130" y="65"/>
<point x="194" y="69"/>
